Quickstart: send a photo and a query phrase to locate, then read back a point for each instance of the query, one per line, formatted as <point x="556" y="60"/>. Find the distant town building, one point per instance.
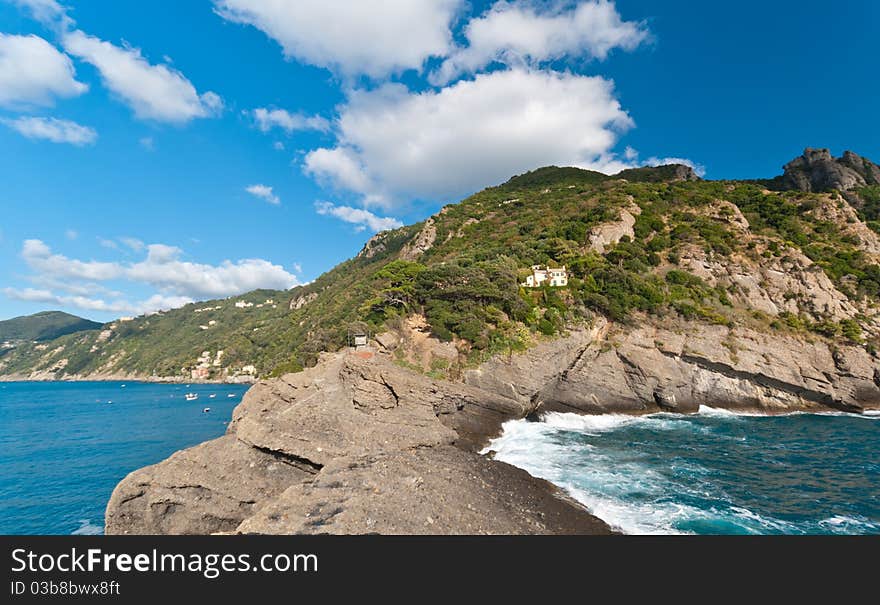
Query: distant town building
<point x="542" y="275"/>
<point x="243" y="304"/>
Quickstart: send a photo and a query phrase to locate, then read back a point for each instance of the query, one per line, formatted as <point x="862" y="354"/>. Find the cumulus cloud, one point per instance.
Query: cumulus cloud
<point x="48" y="12"/>
<point x="264" y="192"/>
<point x="163" y="269"/>
<point x="267" y="119"/>
<point x="154" y="91"/>
<point x="527" y="33"/>
<point x="396" y="144"/>
<point x="363" y="219"/>
<point x="352" y="37"/>
<point x="53" y="129"/>
<point x="154" y="303"/>
<point x="33" y="72"/>
<point x="40" y="257"/>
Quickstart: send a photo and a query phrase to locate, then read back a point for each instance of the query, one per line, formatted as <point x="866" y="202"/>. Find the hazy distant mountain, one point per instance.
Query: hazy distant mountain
<point x="47" y="325"/>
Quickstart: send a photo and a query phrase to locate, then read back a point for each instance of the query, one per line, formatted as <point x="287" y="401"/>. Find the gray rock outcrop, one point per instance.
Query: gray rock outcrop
<point x="353" y="445"/>
<point x="816" y="170"/>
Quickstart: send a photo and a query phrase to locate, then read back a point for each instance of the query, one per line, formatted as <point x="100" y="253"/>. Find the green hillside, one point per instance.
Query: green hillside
<point x="462" y="271"/>
<point x="47" y="325"/>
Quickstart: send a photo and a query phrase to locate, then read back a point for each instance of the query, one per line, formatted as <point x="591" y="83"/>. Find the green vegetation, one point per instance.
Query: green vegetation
<point x="47" y="325"/>
<point x="467" y="285"/>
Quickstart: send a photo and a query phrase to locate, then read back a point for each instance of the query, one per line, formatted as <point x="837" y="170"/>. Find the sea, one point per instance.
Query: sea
<point x="65" y="445"/>
<point x="714" y="472"/>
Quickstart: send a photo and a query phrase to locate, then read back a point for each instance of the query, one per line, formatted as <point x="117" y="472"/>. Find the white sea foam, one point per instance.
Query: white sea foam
<point x="634" y="494"/>
<point x="87" y="528"/>
<point x="850" y="524"/>
<point x="705" y="410"/>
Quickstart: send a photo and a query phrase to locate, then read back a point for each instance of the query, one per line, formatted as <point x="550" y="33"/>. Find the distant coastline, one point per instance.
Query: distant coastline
<point x="123" y="378"/>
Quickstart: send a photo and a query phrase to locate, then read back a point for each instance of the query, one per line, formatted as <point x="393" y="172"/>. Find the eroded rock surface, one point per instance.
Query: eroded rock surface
<point x="355" y="430"/>
<point x="359" y="444"/>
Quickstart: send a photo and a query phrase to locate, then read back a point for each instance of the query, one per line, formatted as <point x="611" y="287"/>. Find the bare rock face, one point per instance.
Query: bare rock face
<point x="206" y="489"/>
<point x="816" y="170"/>
<point x="607" y="234"/>
<point x="358" y="444"/>
<point x="301" y="301"/>
<point x="441" y="490"/>
<point x="790" y="283"/>
<point x="684" y="367"/>
<point x="421" y="243"/>
<point x="381" y="449"/>
<point x="375" y="245"/>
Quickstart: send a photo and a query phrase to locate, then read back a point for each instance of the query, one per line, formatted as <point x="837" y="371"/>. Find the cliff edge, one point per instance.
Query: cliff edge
<point x="354" y="445"/>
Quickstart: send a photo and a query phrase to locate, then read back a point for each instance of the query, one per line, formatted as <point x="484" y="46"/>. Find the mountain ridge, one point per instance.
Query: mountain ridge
<point x="45" y="325"/>
<point x="667" y="237"/>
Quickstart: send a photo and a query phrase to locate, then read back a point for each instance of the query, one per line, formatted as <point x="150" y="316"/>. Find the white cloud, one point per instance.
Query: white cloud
<point x="155" y="92"/>
<point x="352" y="37"/>
<point x="394" y="144"/>
<point x="278" y="146"/>
<point x="71" y="234"/>
<point x="162" y="269"/>
<point x="48" y="12"/>
<point x="522" y="32"/>
<point x="154" y="303"/>
<point x="147" y="143"/>
<point x="53" y="129"/>
<point x="264" y="192"/>
<point x="343" y="168"/>
<point x="33" y="72"/>
<point x="108" y="243"/>
<point x="135" y="244"/>
<point x="364" y="219"/>
<point x="267" y="119"/>
<point x="39" y="257"/>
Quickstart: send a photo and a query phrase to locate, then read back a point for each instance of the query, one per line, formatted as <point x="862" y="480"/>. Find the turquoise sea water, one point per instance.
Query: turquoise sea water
<point x="65" y="446"/>
<point x="710" y="473"/>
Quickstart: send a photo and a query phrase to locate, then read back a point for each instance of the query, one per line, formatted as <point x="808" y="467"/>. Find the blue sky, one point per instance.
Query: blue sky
<point x="140" y="142"/>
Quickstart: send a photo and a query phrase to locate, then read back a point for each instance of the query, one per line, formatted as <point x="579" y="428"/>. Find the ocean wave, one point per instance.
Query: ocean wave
<point x="706" y="410"/>
<point x="637" y="485"/>
<point x="601" y="423"/>
<point x="87" y="528"/>
<point x="845" y="524"/>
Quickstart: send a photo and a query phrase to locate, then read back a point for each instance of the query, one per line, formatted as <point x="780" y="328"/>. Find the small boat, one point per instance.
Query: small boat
<point x="206" y="410"/>
<point x="191" y="396"/>
<point x="231" y="395"/>
<point x="212" y="395"/>
<point x="123" y="386"/>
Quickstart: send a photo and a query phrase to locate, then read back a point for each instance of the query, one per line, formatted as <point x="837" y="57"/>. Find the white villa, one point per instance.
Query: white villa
<point x="542" y="274"/>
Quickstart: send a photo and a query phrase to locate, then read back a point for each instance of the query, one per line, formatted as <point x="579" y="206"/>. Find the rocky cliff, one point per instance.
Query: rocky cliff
<point x="358" y="444"/>
<point x="682" y="293"/>
<point x="816" y="170"/>
<point x="354" y="445"/>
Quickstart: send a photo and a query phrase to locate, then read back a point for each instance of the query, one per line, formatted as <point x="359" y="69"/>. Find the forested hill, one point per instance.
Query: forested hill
<point x="795" y="254"/>
<point x="47" y="325"/>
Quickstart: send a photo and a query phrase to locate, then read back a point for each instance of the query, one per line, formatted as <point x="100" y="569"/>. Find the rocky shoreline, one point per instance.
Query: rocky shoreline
<point x="358" y="444"/>
<point x="116" y="378"/>
<point x="353" y="445"/>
